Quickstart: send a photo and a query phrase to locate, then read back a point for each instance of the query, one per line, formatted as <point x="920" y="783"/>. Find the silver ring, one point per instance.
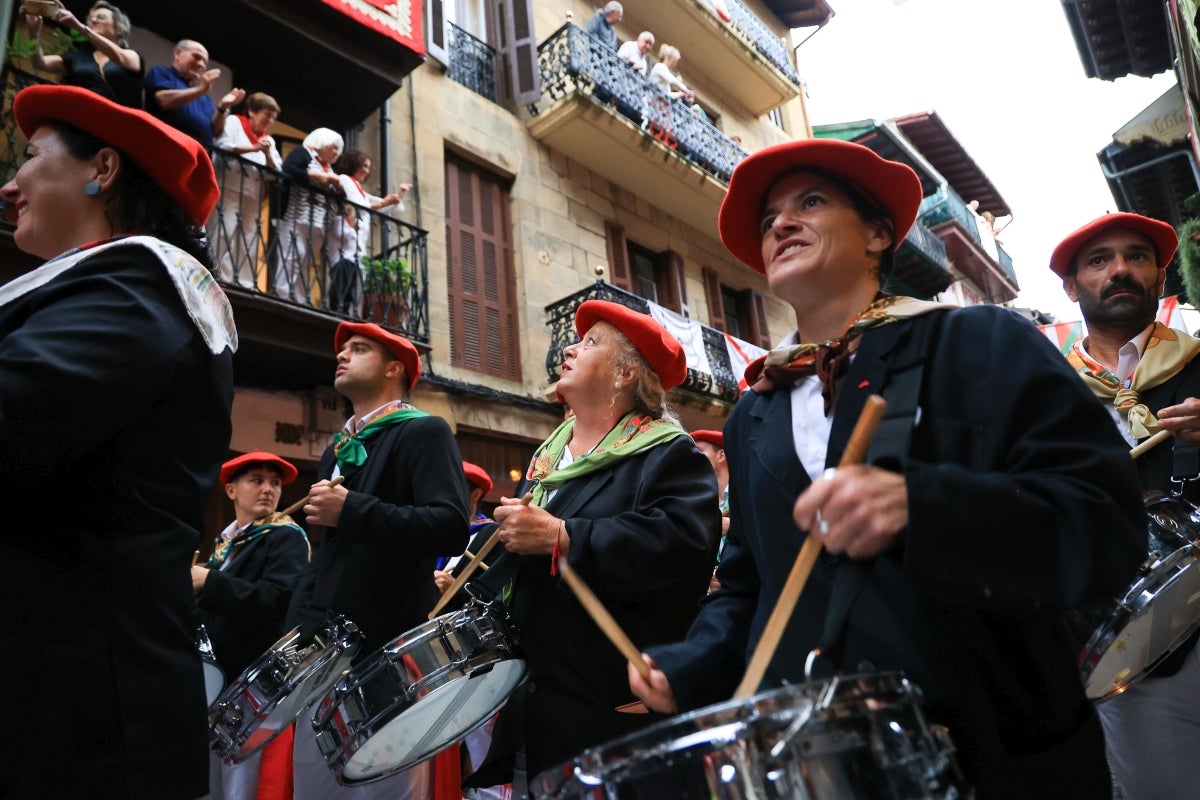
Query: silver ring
<point x="822" y="523"/>
<point x="829" y="473"/>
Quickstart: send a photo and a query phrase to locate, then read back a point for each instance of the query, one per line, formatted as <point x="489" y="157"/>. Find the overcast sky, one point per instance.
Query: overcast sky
<point x="1007" y="80"/>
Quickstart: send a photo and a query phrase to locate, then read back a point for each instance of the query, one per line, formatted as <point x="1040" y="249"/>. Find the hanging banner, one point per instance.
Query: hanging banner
<point x="689" y="333"/>
<point x="399" y="20"/>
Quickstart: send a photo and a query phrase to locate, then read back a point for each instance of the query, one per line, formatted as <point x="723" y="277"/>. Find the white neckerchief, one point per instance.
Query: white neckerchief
<point x="206" y="303"/>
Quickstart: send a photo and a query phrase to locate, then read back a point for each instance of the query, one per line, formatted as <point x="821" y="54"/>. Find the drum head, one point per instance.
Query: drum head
<point x="214" y="681"/>
<point x="1158" y="614"/>
<point x="443" y="717"/>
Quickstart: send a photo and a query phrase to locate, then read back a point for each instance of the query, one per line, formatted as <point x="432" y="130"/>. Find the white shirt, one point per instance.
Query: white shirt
<point x="631" y="53"/>
<point x="810" y="427"/>
<point x="1128" y="358"/>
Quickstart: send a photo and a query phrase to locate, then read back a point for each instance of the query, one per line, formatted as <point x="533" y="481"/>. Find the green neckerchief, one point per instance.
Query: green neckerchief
<point x="349" y="450"/>
<point x="633" y="434"/>
<point x="257" y="529"/>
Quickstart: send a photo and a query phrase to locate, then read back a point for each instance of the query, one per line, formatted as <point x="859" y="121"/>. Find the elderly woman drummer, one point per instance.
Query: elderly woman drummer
<point x="621" y="491"/>
<point x="115" y="391"/>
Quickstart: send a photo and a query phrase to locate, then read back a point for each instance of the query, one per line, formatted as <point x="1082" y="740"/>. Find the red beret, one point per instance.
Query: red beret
<point x="658" y="347"/>
<point x="715" y="438"/>
<point x="256" y="457"/>
<point x="172" y="159"/>
<point x="396" y="344"/>
<point x="894" y="186"/>
<point x="1161" y="234"/>
<point x="478" y="476"/>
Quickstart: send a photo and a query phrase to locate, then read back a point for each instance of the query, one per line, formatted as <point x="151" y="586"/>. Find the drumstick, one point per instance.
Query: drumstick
<point x="1153" y="441"/>
<point x="856" y="451"/>
<point x="195" y="558"/>
<point x="599" y="614"/>
<point x="469" y="569"/>
<point x="299" y="504"/>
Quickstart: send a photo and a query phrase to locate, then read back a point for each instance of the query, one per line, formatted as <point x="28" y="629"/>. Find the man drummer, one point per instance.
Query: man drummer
<point x="243" y="589"/>
<point x="1148" y="378"/>
<point x="403" y="504"/>
<point x="481" y="527"/>
<point x="994" y="497"/>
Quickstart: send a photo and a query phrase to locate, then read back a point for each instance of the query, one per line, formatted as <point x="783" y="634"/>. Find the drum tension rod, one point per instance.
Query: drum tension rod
<point x="822" y="702"/>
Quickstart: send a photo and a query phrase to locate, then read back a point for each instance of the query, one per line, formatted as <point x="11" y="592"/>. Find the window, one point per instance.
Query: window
<point x="656" y="276"/>
<point x="479" y="271"/>
<point x="741" y="313"/>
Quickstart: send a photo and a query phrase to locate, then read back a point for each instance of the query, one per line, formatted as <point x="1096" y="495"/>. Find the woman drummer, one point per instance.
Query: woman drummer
<point x="115" y="394"/>
<point x="622" y="492"/>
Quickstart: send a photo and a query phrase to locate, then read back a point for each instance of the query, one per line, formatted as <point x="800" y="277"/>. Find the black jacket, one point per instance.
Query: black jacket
<point x="114" y="417"/>
<point x="1022" y="503"/>
<point x="243" y="605"/>
<point x="407" y="506"/>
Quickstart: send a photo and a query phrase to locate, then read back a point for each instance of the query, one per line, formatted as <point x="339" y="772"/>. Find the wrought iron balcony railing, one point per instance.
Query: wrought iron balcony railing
<point x="926" y="242"/>
<point x="472" y="62"/>
<point x="572" y="61"/>
<point x="945" y="205"/>
<point x="311" y="247"/>
<point x="328" y="255"/>
<point x="762" y="38"/>
<point x="1006" y="264"/>
<point x="720" y="382"/>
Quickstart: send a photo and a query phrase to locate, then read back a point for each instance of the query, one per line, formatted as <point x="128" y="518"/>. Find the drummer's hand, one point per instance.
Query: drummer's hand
<point x="1183" y="420"/>
<point x="656" y="694"/>
<point x="864" y="508"/>
<point x="199" y="576"/>
<point x="443" y="580"/>
<point x="528" y="530"/>
<point x="325" y="504"/>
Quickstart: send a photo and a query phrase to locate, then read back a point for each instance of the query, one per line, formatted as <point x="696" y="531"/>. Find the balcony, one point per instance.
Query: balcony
<point x="603" y="114"/>
<point x="976" y="255"/>
<point x="743" y="56"/>
<point x="719" y="383"/>
<point x="289" y="282"/>
<point x="472" y="62"/>
<point x="922" y="266"/>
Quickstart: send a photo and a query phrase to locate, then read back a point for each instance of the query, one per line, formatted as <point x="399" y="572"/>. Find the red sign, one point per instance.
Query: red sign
<point x="399" y="20"/>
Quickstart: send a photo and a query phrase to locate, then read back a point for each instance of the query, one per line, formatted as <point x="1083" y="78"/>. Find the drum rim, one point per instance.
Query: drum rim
<point x="1162" y="575"/>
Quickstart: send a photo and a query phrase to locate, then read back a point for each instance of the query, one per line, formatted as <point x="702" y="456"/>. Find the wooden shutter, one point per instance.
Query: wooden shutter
<point x="716" y="303"/>
<point x="618" y="256"/>
<point x="758" y="320"/>
<point x="480" y="276"/>
<point x="518" y="79"/>
<point x="435" y="32"/>
<point x="672" y="291"/>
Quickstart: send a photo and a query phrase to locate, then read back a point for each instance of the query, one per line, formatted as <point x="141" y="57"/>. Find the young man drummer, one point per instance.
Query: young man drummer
<point x="1148" y="378"/>
<point x="243" y="589"/>
<point x="403" y="504"/>
<point x="997" y="497"/>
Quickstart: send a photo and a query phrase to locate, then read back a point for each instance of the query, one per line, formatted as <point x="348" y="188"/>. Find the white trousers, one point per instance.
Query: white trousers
<point x="1152" y="734"/>
<point x="316" y="781"/>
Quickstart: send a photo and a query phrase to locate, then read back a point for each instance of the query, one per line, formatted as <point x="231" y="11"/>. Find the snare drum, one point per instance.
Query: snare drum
<point x="422" y="692"/>
<point x="860" y="736"/>
<point x="1160" y="610"/>
<point x="214" y="676"/>
<point x="278" y="687"/>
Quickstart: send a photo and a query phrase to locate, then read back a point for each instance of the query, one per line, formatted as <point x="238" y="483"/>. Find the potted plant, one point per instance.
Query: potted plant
<point x="386" y="283"/>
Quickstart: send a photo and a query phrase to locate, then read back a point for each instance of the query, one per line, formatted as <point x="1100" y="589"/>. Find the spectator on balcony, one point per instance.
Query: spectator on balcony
<point x="178" y="94"/>
<point x="634" y="52"/>
<point x="997" y="494"/>
<point x="243" y="147"/>
<point x="116" y="386"/>
<point x="350" y="231"/>
<point x="307" y="194"/>
<point x="106" y="64"/>
<point x="664" y="77"/>
<point x="602" y="22"/>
